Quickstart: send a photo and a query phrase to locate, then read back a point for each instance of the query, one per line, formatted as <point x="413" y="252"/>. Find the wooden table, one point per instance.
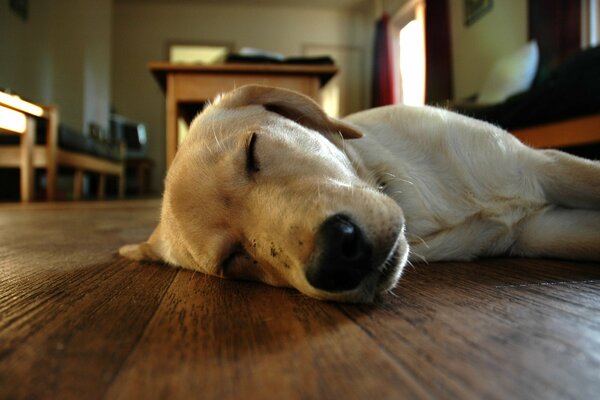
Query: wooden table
<point x="79" y="322"/>
<point x="183" y="83"/>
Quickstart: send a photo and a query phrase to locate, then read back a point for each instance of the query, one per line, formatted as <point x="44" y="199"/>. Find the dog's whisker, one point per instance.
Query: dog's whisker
<point x="419" y="256"/>
<point x="419" y="238"/>
<point x="396" y="179"/>
<point x="405" y="181"/>
<point x="411" y="265"/>
<point x="343" y="143"/>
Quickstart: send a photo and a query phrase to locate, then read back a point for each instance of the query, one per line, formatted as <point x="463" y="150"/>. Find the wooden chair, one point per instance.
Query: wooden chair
<point x="28" y="155"/>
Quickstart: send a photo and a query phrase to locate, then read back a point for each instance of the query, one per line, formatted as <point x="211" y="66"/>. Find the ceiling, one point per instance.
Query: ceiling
<point x="337" y="4"/>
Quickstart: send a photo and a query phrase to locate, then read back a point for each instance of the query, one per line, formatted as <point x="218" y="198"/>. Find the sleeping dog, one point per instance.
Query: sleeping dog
<point x="267" y="187"/>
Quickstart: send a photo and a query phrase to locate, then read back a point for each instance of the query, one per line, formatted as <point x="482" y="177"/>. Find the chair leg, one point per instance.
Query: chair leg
<point x="51" y="152"/>
<point x="26" y="167"/>
<point x="51" y="181"/>
<point x="141" y="173"/>
<point x="101" y="186"/>
<point x="78" y="184"/>
<point x="122" y="183"/>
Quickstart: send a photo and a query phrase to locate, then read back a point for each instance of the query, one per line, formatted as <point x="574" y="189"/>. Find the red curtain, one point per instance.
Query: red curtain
<point x="383" y="79"/>
<point x="555" y="24"/>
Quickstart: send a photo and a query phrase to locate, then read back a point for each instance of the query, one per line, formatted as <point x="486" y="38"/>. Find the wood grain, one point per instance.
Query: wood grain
<point x="495" y="329"/>
<point x="573" y="132"/>
<point x="77" y="321"/>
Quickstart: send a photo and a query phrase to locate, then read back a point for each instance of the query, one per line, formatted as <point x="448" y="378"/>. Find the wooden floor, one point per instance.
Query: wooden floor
<point x="78" y="321"/>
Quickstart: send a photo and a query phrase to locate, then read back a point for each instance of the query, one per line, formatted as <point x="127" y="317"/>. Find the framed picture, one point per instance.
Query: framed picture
<point x="475" y="9"/>
<point x="20" y="7"/>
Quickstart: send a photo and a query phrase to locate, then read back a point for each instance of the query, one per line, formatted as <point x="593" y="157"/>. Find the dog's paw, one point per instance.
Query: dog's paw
<point x="138" y="252"/>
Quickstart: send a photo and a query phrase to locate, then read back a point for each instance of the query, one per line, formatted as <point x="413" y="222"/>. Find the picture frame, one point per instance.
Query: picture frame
<point x="475" y="9"/>
<point x="20" y="7"/>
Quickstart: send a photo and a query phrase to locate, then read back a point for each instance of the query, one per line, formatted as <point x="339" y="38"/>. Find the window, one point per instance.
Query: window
<point x="590" y="23"/>
<point x="197" y="53"/>
<point x="408" y="33"/>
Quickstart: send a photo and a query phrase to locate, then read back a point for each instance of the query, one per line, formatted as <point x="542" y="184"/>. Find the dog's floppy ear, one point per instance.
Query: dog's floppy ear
<point x="149" y="250"/>
<point x="293" y="105"/>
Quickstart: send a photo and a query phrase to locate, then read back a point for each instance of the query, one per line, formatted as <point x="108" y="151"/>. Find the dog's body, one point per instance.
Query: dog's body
<point x="265" y="187"/>
<point x="469" y="189"/>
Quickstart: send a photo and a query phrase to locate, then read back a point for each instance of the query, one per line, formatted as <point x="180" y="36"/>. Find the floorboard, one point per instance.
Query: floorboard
<point x="78" y="321"/>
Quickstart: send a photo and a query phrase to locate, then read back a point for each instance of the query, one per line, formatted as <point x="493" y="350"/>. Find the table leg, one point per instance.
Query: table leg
<point x="171" y="121"/>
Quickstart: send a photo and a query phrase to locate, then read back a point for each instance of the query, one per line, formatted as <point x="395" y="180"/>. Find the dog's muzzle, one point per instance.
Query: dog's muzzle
<point x="343" y="256"/>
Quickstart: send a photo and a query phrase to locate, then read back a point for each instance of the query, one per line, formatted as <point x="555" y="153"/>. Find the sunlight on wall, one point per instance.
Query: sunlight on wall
<point x="12" y="120"/>
<point x="182" y="129"/>
<point x="590" y="23"/>
<point x="17" y="103"/>
<point x="330" y="98"/>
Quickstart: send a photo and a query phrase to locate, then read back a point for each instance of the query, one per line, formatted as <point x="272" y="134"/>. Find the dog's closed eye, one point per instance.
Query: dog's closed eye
<point x="251" y="161"/>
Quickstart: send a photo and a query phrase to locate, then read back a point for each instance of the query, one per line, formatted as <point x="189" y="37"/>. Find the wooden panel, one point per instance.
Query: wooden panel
<point x="205" y="87"/>
<point x="574" y="132"/>
<point x="39" y="156"/>
<point x="161" y="70"/>
<point x="10" y="156"/>
<point x="88" y="163"/>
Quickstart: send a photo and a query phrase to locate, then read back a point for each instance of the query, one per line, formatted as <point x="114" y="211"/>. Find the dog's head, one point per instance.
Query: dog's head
<point x="262" y="189"/>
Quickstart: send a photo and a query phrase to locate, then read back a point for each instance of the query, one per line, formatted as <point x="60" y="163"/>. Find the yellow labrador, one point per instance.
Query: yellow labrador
<point x="267" y="187"/>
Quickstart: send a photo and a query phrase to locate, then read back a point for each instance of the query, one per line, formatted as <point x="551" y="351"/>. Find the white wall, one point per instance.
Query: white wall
<point x="60" y="55"/>
<point x="475" y="48"/>
<point x="25" y="52"/>
<point x="141" y="32"/>
<point x="97" y="31"/>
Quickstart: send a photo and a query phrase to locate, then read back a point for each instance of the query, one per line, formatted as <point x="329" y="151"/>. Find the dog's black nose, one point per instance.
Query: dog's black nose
<point x="342" y="255"/>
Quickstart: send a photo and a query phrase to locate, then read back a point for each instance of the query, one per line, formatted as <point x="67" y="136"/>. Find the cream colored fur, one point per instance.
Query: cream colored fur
<point x="425" y="184"/>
